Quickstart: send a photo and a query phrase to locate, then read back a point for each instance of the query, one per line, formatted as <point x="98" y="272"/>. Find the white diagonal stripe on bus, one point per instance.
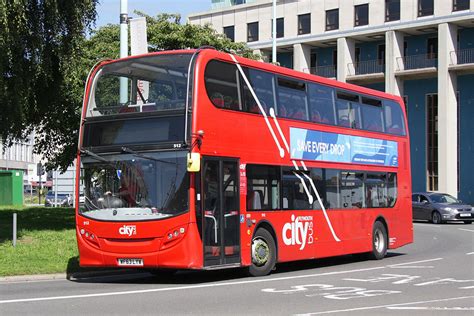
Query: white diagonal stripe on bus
<point x="328" y="221"/>
<point x="310" y="197"/>
<point x="282" y="152"/>
<point x="272" y="114"/>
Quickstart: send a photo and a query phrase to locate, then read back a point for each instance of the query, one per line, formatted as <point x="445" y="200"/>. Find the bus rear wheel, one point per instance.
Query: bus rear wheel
<point x="379" y="241"/>
<point x="263" y="253"/>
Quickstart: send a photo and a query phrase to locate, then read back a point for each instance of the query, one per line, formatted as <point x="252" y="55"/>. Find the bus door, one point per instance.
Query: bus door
<point x="220" y="205"/>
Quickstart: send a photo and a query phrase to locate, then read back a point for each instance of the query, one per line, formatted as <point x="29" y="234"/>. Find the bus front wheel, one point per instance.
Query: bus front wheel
<point x="263" y="253"/>
<point x="379" y="241"/>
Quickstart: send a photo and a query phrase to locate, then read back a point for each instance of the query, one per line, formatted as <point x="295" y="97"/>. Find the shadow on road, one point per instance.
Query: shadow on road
<point x="190" y="277"/>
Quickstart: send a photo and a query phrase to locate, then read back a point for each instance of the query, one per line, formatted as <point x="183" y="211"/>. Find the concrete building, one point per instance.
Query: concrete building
<point x="422" y="50"/>
<point x="20" y="156"/>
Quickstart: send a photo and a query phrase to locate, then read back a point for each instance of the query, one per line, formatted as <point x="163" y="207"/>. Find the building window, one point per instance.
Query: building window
<point x="332" y="19"/>
<point x="392" y="10"/>
<point x="381" y="54"/>
<point x="252" y="32"/>
<point x="280" y="27"/>
<point x="459" y="5"/>
<point x="432" y="141"/>
<point x="304" y="24"/>
<point x="432" y="48"/>
<point x="361" y="14"/>
<point x="425" y="7"/>
<point x="229" y="31"/>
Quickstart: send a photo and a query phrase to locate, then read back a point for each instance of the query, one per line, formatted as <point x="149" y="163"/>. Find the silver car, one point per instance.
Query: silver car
<point x="440" y="208"/>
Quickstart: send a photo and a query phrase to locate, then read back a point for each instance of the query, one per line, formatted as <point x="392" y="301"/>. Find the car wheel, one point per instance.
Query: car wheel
<point x="263" y="253"/>
<point x="467" y="222"/>
<point x="379" y="241"/>
<point x="436" y="218"/>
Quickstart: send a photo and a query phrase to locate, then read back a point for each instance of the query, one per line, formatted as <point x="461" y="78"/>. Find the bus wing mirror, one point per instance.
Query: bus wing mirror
<point x="194" y="162"/>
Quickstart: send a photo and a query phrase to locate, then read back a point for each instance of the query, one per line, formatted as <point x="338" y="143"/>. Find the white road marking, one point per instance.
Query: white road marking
<point x="35" y="299"/>
<point x="413" y="267"/>
<point x="466" y="230"/>
<point x="426" y="225"/>
<point x="433" y="308"/>
<point x="386" y="306"/>
<point x="408" y="263"/>
<point x="470" y="253"/>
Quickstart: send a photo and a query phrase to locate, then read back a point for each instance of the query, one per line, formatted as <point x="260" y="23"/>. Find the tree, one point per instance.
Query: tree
<point x="58" y="126"/>
<point x="38" y="40"/>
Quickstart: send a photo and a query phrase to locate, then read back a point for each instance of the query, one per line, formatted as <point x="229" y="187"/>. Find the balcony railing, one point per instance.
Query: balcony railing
<point x="462" y="56"/>
<point x="417" y="61"/>
<point x="324" y="71"/>
<point x="366" y="67"/>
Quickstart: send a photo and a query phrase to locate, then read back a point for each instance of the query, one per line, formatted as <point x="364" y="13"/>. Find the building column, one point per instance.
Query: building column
<point x="447" y="112"/>
<point x="393" y="54"/>
<point x="301" y="57"/>
<point x="345" y="56"/>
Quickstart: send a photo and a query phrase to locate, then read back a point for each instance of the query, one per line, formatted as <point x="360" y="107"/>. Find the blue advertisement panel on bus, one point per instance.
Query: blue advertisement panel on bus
<point x="322" y="146"/>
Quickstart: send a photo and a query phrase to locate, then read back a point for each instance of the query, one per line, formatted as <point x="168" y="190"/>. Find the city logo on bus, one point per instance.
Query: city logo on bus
<point x="128" y="230"/>
<point x="299" y="231"/>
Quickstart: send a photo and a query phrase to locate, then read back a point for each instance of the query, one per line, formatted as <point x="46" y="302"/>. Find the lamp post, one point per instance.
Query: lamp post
<point x="123" y="48"/>
<point x="274" y="23"/>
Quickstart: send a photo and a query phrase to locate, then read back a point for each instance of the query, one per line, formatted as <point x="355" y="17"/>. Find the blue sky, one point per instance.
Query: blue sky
<point x="108" y="11"/>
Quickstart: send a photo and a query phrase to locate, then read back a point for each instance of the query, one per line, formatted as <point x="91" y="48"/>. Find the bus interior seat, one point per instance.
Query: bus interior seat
<point x="298" y="114"/>
<point x="281" y="111"/>
<point x="395" y="129"/>
<point x="255" y="200"/>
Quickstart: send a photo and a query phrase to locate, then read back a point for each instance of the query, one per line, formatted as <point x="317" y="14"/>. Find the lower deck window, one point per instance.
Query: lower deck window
<point x="274" y="188"/>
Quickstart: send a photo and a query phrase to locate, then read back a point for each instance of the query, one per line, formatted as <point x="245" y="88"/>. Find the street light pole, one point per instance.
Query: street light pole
<point x="123" y="47"/>
<point x="274" y="23"/>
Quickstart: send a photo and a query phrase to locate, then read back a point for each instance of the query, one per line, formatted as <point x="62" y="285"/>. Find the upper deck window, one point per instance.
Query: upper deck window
<point x="372" y="114"/>
<point x="394" y="118"/>
<point x="222" y="84"/>
<point x="292" y="101"/>
<point x="263" y="85"/>
<point x="321" y="104"/>
<point x="145" y="84"/>
<point x="299" y="99"/>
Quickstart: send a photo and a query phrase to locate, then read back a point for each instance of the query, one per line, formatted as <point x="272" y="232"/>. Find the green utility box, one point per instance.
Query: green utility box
<point x="11" y="187"/>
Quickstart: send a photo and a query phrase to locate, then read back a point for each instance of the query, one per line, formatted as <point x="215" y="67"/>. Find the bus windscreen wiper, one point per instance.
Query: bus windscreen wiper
<point x="93" y="155"/>
<point x="135" y="153"/>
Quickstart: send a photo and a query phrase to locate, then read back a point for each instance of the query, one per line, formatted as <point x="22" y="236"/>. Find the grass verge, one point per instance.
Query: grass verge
<point x="46" y="241"/>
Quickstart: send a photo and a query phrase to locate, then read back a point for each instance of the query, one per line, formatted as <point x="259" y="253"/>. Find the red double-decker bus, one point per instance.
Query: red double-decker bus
<point x="199" y="159"/>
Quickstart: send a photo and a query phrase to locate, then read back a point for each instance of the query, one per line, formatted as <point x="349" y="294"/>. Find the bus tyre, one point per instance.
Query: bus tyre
<point x="263" y="253"/>
<point x="379" y="241"/>
<point x="467" y="222"/>
<point x="436" y="218"/>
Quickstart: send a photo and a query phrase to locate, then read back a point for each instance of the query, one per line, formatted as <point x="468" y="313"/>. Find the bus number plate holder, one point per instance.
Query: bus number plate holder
<point x="130" y="262"/>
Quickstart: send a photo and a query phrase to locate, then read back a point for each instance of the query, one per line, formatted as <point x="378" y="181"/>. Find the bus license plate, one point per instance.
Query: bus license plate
<point x="465" y="214"/>
<point x="130" y="262"/>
